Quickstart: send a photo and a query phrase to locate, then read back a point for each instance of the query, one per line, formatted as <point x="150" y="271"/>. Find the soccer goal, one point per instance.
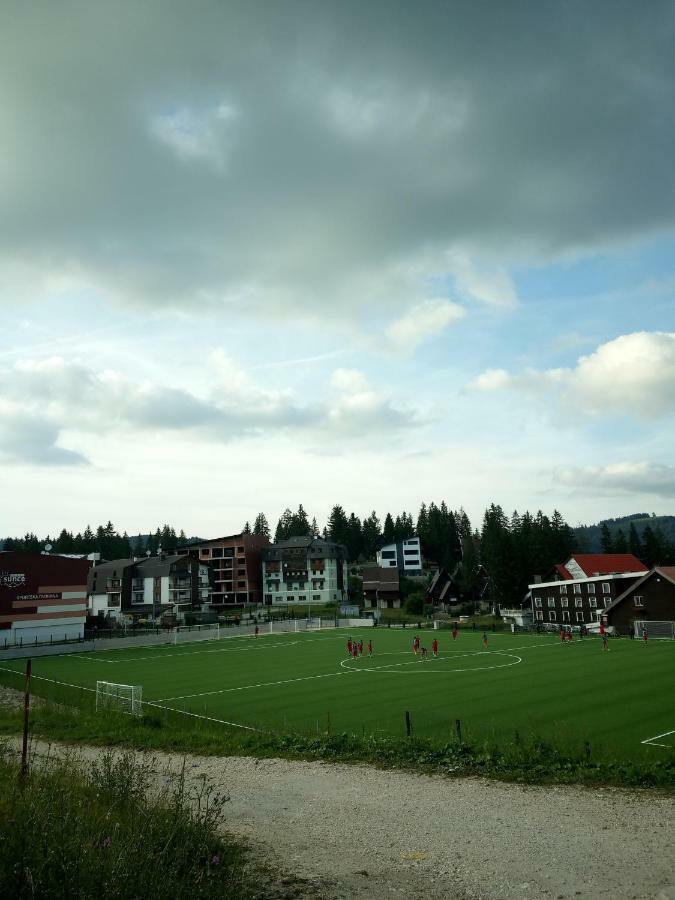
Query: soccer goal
<point x="185" y="633"/>
<point x="658" y="630"/>
<point x="307" y="624"/>
<point x="127" y="698"/>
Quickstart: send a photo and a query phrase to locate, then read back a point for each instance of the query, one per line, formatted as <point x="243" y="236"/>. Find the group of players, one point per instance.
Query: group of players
<point x="355" y="648"/>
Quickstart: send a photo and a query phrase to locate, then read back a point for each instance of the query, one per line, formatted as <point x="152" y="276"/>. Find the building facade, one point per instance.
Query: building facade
<point x="381" y="588"/>
<point x="304" y="570"/>
<point x="406" y="555"/>
<point x="577" y="601"/>
<point x="43" y="597"/>
<point x="650" y="598"/>
<point x="154" y="588"/>
<point x="235" y="561"/>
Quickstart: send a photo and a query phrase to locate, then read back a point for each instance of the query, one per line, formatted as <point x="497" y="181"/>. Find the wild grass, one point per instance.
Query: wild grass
<point x="105" y="832"/>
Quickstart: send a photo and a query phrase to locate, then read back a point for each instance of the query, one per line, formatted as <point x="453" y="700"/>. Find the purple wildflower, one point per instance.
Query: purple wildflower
<point x="215" y="861"/>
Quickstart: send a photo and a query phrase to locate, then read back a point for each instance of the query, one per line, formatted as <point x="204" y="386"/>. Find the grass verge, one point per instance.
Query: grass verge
<point x="523" y="759"/>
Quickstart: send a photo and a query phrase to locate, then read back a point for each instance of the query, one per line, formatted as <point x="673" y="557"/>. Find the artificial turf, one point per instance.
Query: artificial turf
<point x="521" y="686"/>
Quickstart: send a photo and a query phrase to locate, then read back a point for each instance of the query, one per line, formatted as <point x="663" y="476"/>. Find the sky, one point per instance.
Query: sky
<point x="254" y="255"/>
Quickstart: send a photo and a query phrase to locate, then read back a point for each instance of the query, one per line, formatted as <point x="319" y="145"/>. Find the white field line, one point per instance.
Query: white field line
<point x="652" y="741"/>
<point x="50" y="680"/>
<point x="145" y="702"/>
<point x="248" y="687"/>
<point x="184" y="712"/>
<point x="158" y="658"/>
<point x="388" y="668"/>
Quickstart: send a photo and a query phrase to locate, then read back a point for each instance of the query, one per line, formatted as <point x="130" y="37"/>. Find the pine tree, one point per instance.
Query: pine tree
<point x="634" y="542"/>
<point x="247" y="528"/>
<point x="261" y="525"/>
<point x="620" y="542"/>
<point x="371" y="534"/>
<point x="338" y="526"/>
<point x="606" y="540"/>
<point x="283" y="529"/>
<point x="388" y="533"/>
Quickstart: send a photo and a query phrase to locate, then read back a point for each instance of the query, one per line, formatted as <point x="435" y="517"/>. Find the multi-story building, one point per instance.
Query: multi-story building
<point x="235" y="563"/>
<point x="406" y="555"/>
<point x="577" y="601"/>
<point x="43" y="597"/>
<point x="586" y="565"/>
<point x="304" y="570"/>
<point x="150" y="588"/>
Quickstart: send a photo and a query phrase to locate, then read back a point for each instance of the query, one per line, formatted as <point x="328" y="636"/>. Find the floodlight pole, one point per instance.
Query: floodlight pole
<point x="26" y="710"/>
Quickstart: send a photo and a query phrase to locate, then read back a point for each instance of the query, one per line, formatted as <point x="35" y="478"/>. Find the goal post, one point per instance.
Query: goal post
<point x="657" y="630"/>
<point x="127" y="698"/>
<point x="185" y="633"/>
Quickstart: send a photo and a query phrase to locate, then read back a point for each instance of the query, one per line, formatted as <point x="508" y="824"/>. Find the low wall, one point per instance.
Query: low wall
<point x="46" y="650"/>
<point x="357" y="623"/>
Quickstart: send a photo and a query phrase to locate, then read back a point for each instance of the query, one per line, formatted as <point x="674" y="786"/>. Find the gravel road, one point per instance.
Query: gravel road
<point x="356" y="831"/>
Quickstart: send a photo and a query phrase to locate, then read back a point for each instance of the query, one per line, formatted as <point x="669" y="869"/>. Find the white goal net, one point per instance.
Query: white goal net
<point x="185" y="633"/>
<point x="127" y="698"/>
<point x="658" y="630"/>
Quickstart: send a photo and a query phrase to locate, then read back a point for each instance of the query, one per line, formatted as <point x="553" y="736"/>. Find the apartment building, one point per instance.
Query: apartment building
<point x="406" y="555"/>
<point x="304" y="570"/>
<point x="235" y="561"/>
<point x="156" y="587"/>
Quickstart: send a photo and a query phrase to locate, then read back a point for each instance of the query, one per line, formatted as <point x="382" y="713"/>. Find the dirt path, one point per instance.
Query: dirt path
<point x="355" y="831"/>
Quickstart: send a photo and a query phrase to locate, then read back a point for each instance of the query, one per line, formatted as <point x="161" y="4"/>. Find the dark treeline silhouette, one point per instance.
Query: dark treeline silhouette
<point x="105" y="540"/>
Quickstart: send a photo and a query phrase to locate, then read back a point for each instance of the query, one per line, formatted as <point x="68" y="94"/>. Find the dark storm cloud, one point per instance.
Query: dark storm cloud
<point x="291" y="155"/>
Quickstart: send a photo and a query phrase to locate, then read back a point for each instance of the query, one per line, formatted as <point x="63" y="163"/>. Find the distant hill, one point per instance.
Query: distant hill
<point x="589" y="535"/>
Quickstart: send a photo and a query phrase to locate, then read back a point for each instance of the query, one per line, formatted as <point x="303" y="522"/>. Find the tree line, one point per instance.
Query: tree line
<point x="496" y="561"/>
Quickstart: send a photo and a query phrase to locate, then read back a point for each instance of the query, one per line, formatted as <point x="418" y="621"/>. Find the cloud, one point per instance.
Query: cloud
<point x="632" y="375"/>
<point x="54" y="398"/>
<point x="30" y="439"/>
<point x="423" y="321"/>
<point x="443" y="142"/>
<point x="622" y="478"/>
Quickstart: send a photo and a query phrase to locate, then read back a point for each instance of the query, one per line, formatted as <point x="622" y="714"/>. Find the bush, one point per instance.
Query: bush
<point x="104" y="834"/>
<point x="414" y="603"/>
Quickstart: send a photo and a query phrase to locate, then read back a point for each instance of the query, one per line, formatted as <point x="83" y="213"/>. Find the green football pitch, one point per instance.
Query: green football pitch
<point x="622" y="701"/>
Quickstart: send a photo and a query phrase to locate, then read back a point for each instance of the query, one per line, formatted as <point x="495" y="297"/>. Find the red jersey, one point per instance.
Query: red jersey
<point x="434" y="646"/>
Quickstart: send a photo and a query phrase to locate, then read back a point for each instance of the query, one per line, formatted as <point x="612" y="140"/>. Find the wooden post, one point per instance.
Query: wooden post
<point x="408" y="723"/>
<point x="26" y="709"/>
<point x="458" y="728"/>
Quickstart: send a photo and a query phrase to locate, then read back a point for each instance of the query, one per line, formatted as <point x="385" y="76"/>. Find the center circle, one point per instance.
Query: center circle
<point x="431" y="665"/>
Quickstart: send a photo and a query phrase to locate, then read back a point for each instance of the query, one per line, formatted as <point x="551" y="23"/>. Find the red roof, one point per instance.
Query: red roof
<point x="562" y="571"/>
<point x="607" y="563"/>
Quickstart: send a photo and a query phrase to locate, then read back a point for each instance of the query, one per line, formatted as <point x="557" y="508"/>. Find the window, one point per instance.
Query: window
<point x="388" y="554"/>
<point x="537" y="602"/>
<point x="316" y="596"/>
<point x="411" y="552"/>
<point x="278" y="599"/>
<point x="591" y="588"/>
<point x="565" y="616"/>
<point x="539" y="616"/>
<point x="563" y="588"/>
<point x="551" y="602"/>
<point x="577" y="588"/>
<point x="564" y="602"/>
<point x="639" y="601"/>
<point x="580" y="617"/>
<point x="268" y="597"/>
<point x="217" y="552"/>
<point x="606" y="587"/>
<point x="608" y="600"/>
<point x="578" y="602"/>
<point x="205" y="551"/>
<point x="592" y="602"/>
<point x="302" y="598"/>
<point x="551" y="616"/>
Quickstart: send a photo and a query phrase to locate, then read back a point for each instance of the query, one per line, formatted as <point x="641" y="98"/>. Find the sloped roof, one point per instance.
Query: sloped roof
<point x="607" y="563"/>
<point x="668" y="571"/>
